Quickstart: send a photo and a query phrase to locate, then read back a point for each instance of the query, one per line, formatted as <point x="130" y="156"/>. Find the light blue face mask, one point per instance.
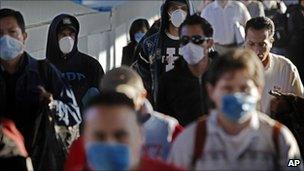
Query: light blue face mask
<point x="138" y="36"/>
<point x="10" y="48"/>
<point x="238" y="105"/>
<point x="110" y="157"/>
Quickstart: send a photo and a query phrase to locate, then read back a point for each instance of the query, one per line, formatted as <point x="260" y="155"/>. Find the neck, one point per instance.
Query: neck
<point x="266" y="61"/>
<point x="11" y="66"/>
<point x="230" y="127"/>
<point x="173" y="30"/>
<point x="199" y="69"/>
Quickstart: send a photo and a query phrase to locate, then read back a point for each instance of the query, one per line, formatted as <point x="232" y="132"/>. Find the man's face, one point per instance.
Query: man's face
<point x="176" y="5"/>
<point x="260" y="42"/>
<point x="67" y="32"/>
<point x="196" y="30"/>
<point x="232" y="82"/>
<point x="114" y="124"/>
<point x="10" y="27"/>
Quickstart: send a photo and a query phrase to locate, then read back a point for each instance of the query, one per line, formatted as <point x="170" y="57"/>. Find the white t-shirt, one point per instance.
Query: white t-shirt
<point x="281" y="74"/>
<point x="223" y="20"/>
<point x="251" y="149"/>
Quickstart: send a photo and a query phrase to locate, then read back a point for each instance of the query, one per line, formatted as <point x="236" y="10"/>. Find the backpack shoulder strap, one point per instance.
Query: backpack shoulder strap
<point x="276" y="129"/>
<point x="199" y="141"/>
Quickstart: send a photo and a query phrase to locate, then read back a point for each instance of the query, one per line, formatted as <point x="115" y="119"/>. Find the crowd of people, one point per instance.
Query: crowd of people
<point x="217" y="87"/>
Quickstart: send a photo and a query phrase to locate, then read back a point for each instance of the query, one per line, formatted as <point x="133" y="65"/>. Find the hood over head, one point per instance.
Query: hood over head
<point x="53" y="52"/>
<point x="165" y="19"/>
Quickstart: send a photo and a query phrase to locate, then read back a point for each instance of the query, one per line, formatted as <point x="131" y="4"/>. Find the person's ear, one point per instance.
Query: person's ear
<point x="24" y="37"/>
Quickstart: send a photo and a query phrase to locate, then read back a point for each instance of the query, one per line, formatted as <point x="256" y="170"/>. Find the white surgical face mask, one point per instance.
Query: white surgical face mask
<point x="177" y="17"/>
<point x="193" y="53"/>
<point x="66" y="44"/>
<point x="10" y="48"/>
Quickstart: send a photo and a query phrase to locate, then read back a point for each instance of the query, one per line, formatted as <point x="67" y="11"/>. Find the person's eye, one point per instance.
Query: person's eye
<point x="120" y="136"/>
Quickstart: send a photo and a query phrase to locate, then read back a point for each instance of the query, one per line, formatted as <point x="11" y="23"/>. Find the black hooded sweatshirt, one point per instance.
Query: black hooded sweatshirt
<point x="157" y="53"/>
<point x="83" y="72"/>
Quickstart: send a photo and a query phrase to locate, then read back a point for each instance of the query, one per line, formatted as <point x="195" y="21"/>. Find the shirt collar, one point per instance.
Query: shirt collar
<point x="213" y="122"/>
<point x="270" y="62"/>
<point x="217" y="5"/>
<point x="171" y="36"/>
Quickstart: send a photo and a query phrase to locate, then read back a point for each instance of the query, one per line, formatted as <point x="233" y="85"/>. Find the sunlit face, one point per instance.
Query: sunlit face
<point x="194" y="30"/>
<point x="67" y="32"/>
<point x="113" y="124"/>
<point x="232" y="82"/>
<point x="260" y="42"/>
<point x="9" y="26"/>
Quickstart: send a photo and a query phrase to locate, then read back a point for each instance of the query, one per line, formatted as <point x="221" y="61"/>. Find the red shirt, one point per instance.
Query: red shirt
<point x="76" y="160"/>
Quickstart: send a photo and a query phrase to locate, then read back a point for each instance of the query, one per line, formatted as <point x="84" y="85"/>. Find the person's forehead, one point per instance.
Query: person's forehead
<point x="110" y="116"/>
<point x="66" y="30"/>
<point x="9" y="23"/>
<point x="236" y="76"/>
<point x="177" y="5"/>
<point x="191" y="30"/>
<point x="257" y="35"/>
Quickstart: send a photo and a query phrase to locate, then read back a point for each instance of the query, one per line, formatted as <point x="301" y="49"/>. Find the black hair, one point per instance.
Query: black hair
<point x="198" y="20"/>
<point x="110" y="98"/>
<point x="6" y="12"/>
<point x="136" y="26"/>
<point x="236" y="60"/>
<point x="259" y="23"/>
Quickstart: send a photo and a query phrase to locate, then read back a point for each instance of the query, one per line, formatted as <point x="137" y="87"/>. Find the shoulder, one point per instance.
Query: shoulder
<point x="150" y="41"/>
<point x="283" y="62"/>
<point x="91" y="61"/>
<point x="186" y="139"/>
<point x="170" y="121"/>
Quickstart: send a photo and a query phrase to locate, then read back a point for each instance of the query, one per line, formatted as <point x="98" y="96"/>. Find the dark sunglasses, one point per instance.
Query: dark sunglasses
<point x="197" y="39"/>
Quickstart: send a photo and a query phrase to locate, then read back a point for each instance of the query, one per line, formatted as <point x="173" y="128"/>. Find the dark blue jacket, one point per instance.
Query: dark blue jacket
<point x="27" y="97"/>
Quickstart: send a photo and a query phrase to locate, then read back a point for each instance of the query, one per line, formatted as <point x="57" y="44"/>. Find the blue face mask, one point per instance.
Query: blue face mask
<point x="237" y="106"/>
<point x="10" y="48"/>
<point x="110" y="157"/>
<point x="138" y="36"/>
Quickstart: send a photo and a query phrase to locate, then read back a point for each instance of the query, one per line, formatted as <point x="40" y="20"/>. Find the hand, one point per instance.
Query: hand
<point x="45" y="97"/>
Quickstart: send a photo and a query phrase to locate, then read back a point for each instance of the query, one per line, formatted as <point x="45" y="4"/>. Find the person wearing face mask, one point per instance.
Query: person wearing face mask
<point x="31" y="89"/>
<point x="228" y="18"/>
<point x="82" y="71"/>
<point x="158" y="129"/>
<point x="112" y="138"/>
<point x="158" y="52"/>
<point x="182" y="92"/>
<point x="280" y="73"/>
<point x="137" y="31"/>
<point x="235" y="136"/>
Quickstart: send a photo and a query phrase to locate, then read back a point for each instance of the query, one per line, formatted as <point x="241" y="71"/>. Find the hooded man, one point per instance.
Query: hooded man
<point x="83" y="72"/>
<point x="158" y="52"/>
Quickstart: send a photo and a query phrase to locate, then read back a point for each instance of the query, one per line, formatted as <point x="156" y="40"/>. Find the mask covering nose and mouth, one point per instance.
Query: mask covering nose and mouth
<point x="238" y="106"/>
<point x="10" y="48"/>
<point x="66" y="44"/>
<point x="105" y="156"/>
<point x="193" y="53"/>
<point x="177" y="17"/>
<point x="138" y="36"/>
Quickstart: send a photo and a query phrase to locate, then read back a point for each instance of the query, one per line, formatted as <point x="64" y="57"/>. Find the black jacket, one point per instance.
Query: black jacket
<point x="182" y="95"/>
<point x="27" y="107"/>
<point x="128" y="52"/>
<point x="80" y="70"/>
<point x="149" y="64"/>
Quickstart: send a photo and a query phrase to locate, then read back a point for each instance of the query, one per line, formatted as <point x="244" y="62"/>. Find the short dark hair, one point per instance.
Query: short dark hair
<point x="136" y="26"/>
<point x="110" y="98"/>
<point x="6" y="12"/>
<point x="236" y="60"/>
<point x="198" y="20"/>
<point x="259" y="23"/>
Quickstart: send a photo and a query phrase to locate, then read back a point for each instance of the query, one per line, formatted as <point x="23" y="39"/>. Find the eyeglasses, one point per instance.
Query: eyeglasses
<point x="197" y="39"/>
